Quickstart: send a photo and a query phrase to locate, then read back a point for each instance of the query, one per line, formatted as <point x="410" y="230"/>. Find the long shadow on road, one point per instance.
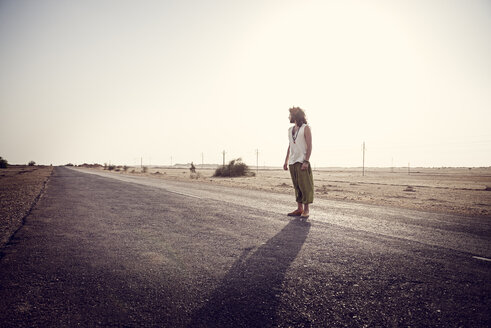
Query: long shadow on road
<point x="250" y="292"/>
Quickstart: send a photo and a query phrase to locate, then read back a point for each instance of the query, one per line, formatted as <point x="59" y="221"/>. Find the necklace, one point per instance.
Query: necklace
<point x="295" y="135"/>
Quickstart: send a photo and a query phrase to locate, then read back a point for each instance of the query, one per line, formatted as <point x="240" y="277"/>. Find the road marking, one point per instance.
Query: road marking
<point x="481" y="258"/>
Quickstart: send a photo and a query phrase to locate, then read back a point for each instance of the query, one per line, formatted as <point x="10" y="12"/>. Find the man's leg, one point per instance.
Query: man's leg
<point x="294" y="172"/>
<point x="306" y="210"/>
<point x="300" y="207"/>
<point x="306" y="185"/>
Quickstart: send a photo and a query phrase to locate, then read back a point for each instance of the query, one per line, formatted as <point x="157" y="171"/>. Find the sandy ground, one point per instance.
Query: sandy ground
<point x="460" y="191"/>
<point x="20" y="186"/>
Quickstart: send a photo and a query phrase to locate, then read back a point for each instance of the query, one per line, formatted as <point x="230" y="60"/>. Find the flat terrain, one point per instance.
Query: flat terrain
<point x="460" y="191"/>
<point x="130" y="250"/>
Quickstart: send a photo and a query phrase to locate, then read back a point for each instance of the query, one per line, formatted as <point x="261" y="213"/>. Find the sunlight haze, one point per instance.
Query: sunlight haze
<point x="170" y="81"/>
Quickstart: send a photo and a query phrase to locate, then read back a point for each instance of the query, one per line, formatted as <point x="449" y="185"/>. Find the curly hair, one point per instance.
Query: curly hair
<point x="298" y="115"/>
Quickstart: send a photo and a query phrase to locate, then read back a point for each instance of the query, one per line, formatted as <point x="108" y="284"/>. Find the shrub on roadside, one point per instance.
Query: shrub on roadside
<point x="3" y="163"/>
<point x="31" y="163"/>
<point x="235" y="168"/>
<point x="195" y="175"/>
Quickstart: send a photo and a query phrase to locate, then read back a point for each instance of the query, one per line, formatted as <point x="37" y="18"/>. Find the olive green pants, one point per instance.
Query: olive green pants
<point x="303" y="182"/>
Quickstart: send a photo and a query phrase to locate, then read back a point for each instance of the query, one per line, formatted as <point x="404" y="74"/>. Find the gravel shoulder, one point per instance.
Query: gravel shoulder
<point x="20" y="188"/>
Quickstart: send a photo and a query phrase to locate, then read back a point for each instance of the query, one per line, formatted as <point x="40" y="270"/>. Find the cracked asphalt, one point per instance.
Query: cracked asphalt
<point x="104" y="250"/>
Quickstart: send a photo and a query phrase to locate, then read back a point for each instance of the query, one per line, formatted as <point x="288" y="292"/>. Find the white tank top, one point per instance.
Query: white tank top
<point x="298" y="146"/>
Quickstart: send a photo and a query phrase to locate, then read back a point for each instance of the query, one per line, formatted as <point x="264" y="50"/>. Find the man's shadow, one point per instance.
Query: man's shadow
<point x="250" y="292"/>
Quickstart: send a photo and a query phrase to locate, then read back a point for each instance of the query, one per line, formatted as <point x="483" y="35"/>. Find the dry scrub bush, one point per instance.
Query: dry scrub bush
<point x="235" y="168"/>
<point x="195" y="175"/>
<point x="3" y="163"/>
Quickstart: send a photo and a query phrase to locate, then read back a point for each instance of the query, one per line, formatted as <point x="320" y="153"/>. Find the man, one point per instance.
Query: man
<point x="297" y="160"/>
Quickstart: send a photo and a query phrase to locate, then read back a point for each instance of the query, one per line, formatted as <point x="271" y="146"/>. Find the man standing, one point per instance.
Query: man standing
<point x="297" y="160"/>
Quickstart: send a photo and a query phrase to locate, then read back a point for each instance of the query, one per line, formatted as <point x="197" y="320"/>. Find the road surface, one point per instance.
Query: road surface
<point x="126" y="251"/>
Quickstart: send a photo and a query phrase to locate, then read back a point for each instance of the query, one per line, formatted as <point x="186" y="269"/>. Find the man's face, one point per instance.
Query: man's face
<point x="291" y="119"/>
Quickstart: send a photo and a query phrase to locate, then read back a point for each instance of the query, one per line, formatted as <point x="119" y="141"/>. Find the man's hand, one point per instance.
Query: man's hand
<point x="305" y="165"/>
<point x="285" y="167"/>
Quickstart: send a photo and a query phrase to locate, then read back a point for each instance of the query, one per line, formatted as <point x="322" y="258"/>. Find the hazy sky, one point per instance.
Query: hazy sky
<point x="114" y="81"/>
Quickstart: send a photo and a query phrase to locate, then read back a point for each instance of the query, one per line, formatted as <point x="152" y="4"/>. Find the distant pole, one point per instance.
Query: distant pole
<point x="257" y="161"/>
<point x="141" y="162"/>
<point x="171" y="161"/>
<point x="223" y="157"/>
<point x="363" y="171"/>
<point x="408" y="168"/>
<point x="202" y="159"/>
<point x="392" y="167"/>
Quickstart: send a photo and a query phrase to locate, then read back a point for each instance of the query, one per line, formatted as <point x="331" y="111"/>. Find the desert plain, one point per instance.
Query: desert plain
<point x="459" y="191"/>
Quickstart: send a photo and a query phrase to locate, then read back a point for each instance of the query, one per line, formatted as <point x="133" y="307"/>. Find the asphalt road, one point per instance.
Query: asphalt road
<point x="128" y="251"/>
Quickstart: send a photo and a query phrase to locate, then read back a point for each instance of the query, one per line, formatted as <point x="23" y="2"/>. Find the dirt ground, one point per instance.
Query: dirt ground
<point x="461" y="191"/>
<point x="20" y="186"/>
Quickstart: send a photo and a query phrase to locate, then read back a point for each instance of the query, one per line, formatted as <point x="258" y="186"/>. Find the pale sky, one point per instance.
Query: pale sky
<point x="114" y="81"/>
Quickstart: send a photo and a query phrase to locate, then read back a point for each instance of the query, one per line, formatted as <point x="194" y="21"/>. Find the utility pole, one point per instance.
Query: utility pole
<point x="363" y="172"/>
<point x="223" y="157"/>
<point x="202" y="159"/>
<point x="141" y="162"/>
<point x="257" y="161"/>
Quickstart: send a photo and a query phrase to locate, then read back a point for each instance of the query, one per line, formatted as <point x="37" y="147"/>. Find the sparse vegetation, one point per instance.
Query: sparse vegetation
<point x="235" y="168"/>
<point x="31" y="163"/>
<point x="125" y="168"/>
<point x="410" y="189"/>
<point x="144" y="169"/>
<point x="195" y="175"/>
<point x="111" y="167"/>
<point x="3" y="163"/>
<point x="69" y="164"/>
<point x="90" y="166"/>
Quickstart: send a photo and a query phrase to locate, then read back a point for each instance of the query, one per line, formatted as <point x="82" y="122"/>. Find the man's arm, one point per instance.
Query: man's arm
<point x="285" y="166"/>
<point x="308" y="140"/>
